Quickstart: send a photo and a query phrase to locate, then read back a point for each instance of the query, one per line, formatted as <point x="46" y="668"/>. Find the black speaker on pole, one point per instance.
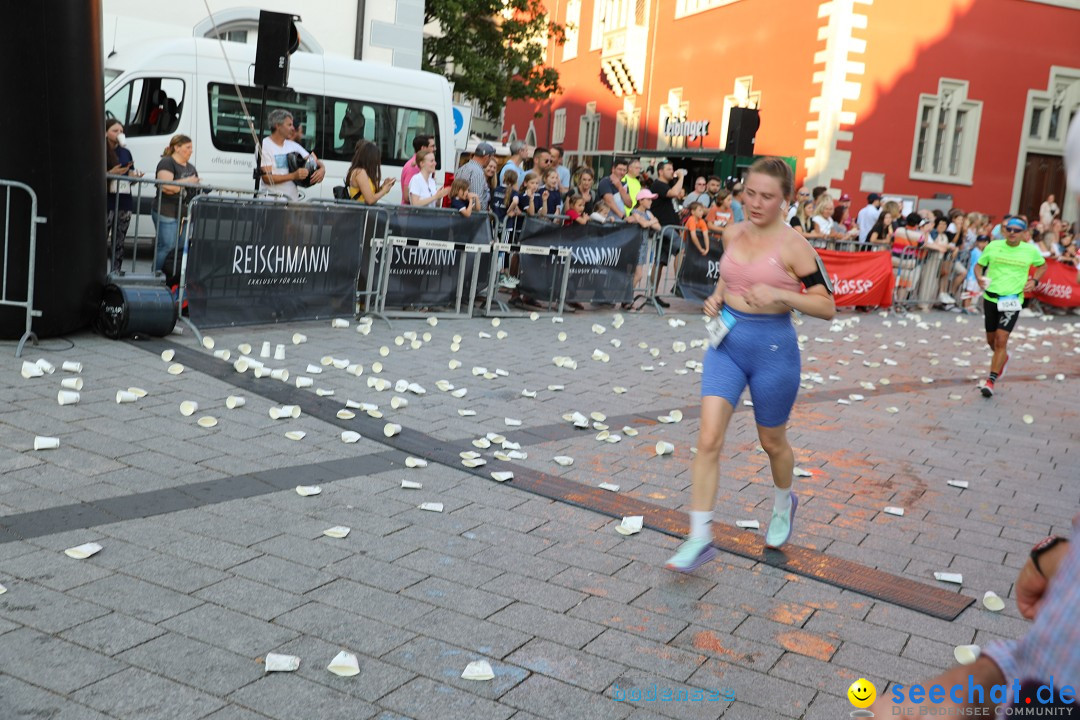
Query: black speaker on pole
<point x="278" y="39"/>
<point x="743" y="124"/>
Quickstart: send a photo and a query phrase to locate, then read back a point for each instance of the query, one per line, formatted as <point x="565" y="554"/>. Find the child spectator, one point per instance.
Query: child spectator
<point x="531" y="201"/>
<point x="575" y="210"/>
<point x="461" y="199"/>
<point x="697" y="229"/>
<point x="551" y="196"/>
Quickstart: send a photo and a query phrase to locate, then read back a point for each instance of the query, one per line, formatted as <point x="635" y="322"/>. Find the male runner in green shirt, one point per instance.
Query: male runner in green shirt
<point x="1002" y="271"/>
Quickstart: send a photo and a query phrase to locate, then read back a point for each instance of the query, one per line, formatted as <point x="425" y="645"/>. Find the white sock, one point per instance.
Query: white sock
<point x="781" y="499"/>
<point x="700" y="521"/>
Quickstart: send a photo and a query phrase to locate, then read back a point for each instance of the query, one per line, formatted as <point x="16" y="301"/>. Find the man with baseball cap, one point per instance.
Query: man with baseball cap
<point x="473" y="173"/>
<point x="1002" y="272"/>
<point x="868" y="216"/>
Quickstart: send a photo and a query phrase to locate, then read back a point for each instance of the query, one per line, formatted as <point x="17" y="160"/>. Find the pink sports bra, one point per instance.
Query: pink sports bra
<point x="769" y="269"/>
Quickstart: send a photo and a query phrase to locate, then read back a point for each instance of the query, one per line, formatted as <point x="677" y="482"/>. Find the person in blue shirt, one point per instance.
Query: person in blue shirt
<point x="514" y="163"/>
<point x="551" y="195"/>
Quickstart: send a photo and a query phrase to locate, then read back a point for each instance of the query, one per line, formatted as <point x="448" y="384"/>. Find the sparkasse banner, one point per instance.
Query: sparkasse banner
<point x="860" y="278"/>
<point x="261" y="262"/>
<point x="1058" y="286"/>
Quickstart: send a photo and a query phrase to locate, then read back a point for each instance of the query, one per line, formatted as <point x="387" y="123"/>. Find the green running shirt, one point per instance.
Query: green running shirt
<point x="1008" y="267"/>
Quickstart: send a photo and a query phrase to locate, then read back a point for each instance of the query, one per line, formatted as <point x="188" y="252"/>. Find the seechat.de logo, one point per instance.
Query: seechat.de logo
<point x="862" y="694"/>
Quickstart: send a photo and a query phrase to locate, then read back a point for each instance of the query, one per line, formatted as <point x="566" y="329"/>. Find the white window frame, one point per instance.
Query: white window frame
<point x="530" y="136"/>
<point x="684" y="8"/>
<point x="676" y="109"/>
<point x="627" y="127"/>
<point x="936" y="163"/>
<point x="558" y="127"/>
<point x="596" y="40"/>
<point x="589" y="130"/>
<point x="573" y="29"/>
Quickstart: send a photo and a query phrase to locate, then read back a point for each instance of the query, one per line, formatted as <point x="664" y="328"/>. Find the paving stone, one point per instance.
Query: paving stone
<point x="300" y="697"/>
<point x="112" y="634"/>
<point x="376" y="678"/>
<point x="533" y="591"/>
<point x="543" y="623"/>
<point x="136" y="598"/>
<point x="46" y="610"/>
<point x="804" y="670"/>
<point x="448" y="567"/>
<point x="451" y="595"/>
<point x="53" y="570"/>
<point x="660" y="697"/>
<point x="480" y="636"/>
<point x="191" y="662"/>
<point x="424" y="699"/>
<point x="765" y="691"/>
<point x="382" y="575"/>
<point x="682" y="606"/>
<point x="343" y="627"/>
<point x="34" y="657"/>
<point x="598" y="584"/>
<point x="371" y="602"/>
<point x="282" y="574"/>
<point x="251" y="598"/>
<point x="553" y="699"/>
<point x="646" y="655"/>
<point x="586" y="671"/>
<point x="23" y="700"/>
<point x="519" y="563"/>
<point x="229" y="630"/>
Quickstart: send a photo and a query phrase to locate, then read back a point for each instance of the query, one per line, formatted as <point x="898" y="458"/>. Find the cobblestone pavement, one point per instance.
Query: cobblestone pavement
<point x="211" y="560"/>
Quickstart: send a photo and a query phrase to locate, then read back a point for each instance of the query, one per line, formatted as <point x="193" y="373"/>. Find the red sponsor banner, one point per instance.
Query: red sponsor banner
<point x="860" y="278"/>
<point x="1058" y="286"/>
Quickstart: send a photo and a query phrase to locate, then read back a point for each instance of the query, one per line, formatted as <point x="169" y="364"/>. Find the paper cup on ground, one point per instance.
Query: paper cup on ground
<point x="189" y="408"/>
<point x="207" y="421"/>
<point x="992" y="602"/>
<point x="630" y="525"/>
<point x="339" y="323"/>
<point x="265" y="351"/>
<point x="176" y="369"/>
<point x="45" y="366"/>
<point x="72" y="366"/>
<point x="30" y="370"/>
<point x="967" y="654"/>
<point x="345" y="664"/>
<point x="349" y="437"/>
<point x="280" y="374"/>
<point x="478" y="669"/>
<point x="234" y="401"/>
<point x="391" y="429"/>
<point x="281" y="663"/>
<point x="83" y="551"/>
<point x="67" y="397"/>
<point x="292" y="411"/>
<point x="71" y="383"/>
<point x="126" y="396"/>
<point x="168" y="355"/>
<point x="241" y="365"/>
<point x="308" y="490"/>
<point x="279" y="352"/>
<point x="46" y="443"/>
<point x="208" y="342"/>
<point x="337" y="532"/>
<point x="664" y="448"/>
<point x="304" y="382"/>
<point x="244" y="348"/>
<point x="397" y="402"/>
<point x="261" y="372"/>
<point x="222" y="355"/>
<point x="299" y="339"/>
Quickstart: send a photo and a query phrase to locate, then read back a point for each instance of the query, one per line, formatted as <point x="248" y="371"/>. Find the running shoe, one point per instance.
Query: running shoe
<point x="946" y="299"/>
<point x="987" y="389"/>
<point x="691" y="555"/>
<point x="781" y="524"/>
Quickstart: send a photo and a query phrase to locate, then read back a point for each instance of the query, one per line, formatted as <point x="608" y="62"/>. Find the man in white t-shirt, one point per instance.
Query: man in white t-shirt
<point x="276" y="176"/>
<point x="868" y="216"/>
<point x="1048" y="211"/>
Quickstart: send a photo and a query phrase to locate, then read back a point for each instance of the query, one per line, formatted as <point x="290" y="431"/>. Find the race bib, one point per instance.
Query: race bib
<point x="1009" y="303"/>
<point x="719" y="326"/>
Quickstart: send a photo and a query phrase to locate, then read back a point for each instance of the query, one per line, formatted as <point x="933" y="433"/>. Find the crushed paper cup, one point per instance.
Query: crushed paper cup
<point x="349" y="436"/>
<point x="299" y="339"/>
<point x="466" y="413"/>
<point x="460" y="392"/>
<point x="126" y="396"/>
<point x="401" y="386"/>
<point x="484" y="335"/>
<point x="502" y="475"/>
<point x="67" y="397"/>
<point x="748" y="524"/>
<point x="618" y="390"/>
<point x="949" y="577"/>
<point x="73" y="366"/>
<point x="415" y="462"/>
<point x="2" y="589"/>
<point x="528" y="393"/>
<point x="557" y="319"/>
<point x="892" y="410"/>
<point x="30" y="370"/>
<point x="799" y="472"/>
<point x="664" y="448"/>
<point x="962" y="484"/>
<point x="411" y="485"/>
<point x="512" y="422"/>
<point x="187" y="407"/>
<point x="296" y="434"/>
<point x="224" y="355"/>
<point x="345" y="663"/>
<point x="168" y="355"/>
<point x="629" y="431"/>
<point x="281" y="663"/>
<point x="345" y="414"/>
<point x="431" y="506"/>
<point x="337" y="532"/>
<point x="898" y="511"/>
<point x="556" y="388"/>
<point x="966" y="654"/>
<point x="137" y="392"/>
<point x="83" y="551"/>
<point x="610" y="487"/>
<point x="207" y="421"/>
<point x="391" y="429"/>
<point x="564" y="460"/>
<point x="308" y="490"/>
<point x="72" y="383"/>
<point x="474" y="463"/>
<point x="416" y="389"/>
<point x="630" y="525"/>
<point x="46" y="443"/>
<point x="992" y="602"/>
<point x="45" y="366"/>
<point x="478" y="669"/>
<point x="454" y="364"/>
<point x="468" y="455"/>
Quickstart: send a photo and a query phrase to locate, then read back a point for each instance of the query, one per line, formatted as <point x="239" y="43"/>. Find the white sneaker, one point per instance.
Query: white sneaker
<point x="1028" y="313"/>
<point x="946" y="299"/>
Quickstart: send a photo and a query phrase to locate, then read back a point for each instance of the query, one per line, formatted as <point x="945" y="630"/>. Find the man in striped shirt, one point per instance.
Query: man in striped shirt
<point x="473" y="173"/>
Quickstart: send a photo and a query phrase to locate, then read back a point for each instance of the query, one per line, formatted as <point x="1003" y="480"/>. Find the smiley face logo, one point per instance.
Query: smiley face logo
<point x="862" y="693"/>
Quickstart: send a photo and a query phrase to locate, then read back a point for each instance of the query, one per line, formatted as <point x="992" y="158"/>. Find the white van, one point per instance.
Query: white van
<point x="183" y="86"/>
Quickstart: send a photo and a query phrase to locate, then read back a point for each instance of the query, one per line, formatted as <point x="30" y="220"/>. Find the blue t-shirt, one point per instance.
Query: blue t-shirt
<point x="500" y="201"/>
<point x="458" y="204"/>
<point x="537" y="202"/>
<point x="554" y="200"/>
<point x="975" y="253"/>
<point x="737" y="211"/>
<point x="511" y="165"/>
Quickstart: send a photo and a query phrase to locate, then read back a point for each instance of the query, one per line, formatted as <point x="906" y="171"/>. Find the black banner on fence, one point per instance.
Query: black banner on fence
<point x="700" y="273"/>
<point x="255" y="262"/>
<point x="429" y="276"/>
<point x="602" y="266"/>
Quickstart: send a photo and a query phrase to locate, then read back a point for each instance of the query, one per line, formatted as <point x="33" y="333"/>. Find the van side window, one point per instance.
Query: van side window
<point x="390" y="127"/>
<point x="229" y="130"/>
<point x="147" y="106"/>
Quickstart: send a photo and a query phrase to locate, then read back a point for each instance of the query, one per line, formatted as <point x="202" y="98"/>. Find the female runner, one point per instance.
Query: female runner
<point x="765" y="266"/>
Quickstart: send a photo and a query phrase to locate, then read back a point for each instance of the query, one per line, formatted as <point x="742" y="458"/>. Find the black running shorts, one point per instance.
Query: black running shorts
<point x="996" y="320"/>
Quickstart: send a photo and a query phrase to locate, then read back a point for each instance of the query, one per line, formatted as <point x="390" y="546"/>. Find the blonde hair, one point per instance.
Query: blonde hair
<point x="529" y="177"/>
<point x="821" y="202"/>
<point x="174" y="142"/>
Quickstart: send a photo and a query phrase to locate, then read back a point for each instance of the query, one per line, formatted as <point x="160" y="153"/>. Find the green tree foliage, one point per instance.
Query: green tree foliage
<point x="493" y="50"/>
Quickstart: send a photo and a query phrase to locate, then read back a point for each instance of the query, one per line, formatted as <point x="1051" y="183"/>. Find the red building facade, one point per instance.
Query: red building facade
<point x="961" y="99"/>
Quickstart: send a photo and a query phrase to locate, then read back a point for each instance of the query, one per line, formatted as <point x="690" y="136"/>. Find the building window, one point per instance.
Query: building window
<point x="692" y="7"/>
<point x="573" y="24"/>
<point x="946" y="134"/>
<point x="589" y="130"/>
<point x="627" y="122"/>
<point x="558" y="126"/>
<point x="1036" y="122"/>
<point x="530" y="137"/>
<point x="599" y="23"/>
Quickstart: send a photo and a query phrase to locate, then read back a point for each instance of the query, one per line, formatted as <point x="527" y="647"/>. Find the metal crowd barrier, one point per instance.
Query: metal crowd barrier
<point x="146" y="199"/>
<point x="34" y="220"/>
<point x="463" y="250"/>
